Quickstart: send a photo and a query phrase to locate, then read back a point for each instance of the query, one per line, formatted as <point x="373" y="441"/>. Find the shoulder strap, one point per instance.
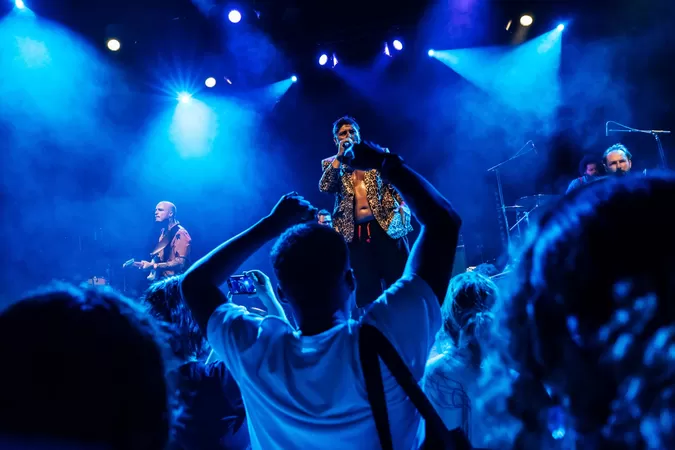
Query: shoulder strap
<point x="372" y="343"/>
<point x="166" y="241"/>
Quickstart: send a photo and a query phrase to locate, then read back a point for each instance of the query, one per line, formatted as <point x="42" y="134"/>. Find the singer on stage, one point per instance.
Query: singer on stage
<point x="369" y="214"/>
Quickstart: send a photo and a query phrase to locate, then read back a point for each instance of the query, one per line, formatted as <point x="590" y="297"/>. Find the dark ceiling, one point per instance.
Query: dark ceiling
<point x="197" y="31"/>
<point x="297" y="27"/>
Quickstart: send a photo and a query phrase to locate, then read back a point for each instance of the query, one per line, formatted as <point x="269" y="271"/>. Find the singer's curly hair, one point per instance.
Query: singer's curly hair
<point x="595" y="322"/>
<point x="345" y="120"/>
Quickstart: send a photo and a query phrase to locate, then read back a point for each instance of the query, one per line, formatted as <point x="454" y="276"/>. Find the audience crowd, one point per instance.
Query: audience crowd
<point x="574" y="350"/>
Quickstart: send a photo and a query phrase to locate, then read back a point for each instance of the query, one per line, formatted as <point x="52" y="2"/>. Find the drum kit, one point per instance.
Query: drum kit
<point x="527" y="208"/>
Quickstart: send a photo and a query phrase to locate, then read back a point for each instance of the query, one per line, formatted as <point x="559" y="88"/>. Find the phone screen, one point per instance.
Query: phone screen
<point x="241" y="284"/>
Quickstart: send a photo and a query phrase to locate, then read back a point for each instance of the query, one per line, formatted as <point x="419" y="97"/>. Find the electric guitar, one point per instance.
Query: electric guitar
<point x="163" y="243"/>
<point x="153" y="273"/>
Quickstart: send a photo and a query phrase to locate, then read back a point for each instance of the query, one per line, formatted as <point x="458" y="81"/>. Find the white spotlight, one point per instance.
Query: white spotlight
<point x="430" y="53"/>
<point x="234" y="16"/>
<point x="19" y="4"/>
<point x="210" y="82"/>
<point x="184" y="97"/>
<point x="526" y="20"/>
<point x="113" y="45"/>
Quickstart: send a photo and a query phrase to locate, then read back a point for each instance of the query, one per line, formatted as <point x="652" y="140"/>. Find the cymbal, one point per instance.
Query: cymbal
<point x="533" y="201"/>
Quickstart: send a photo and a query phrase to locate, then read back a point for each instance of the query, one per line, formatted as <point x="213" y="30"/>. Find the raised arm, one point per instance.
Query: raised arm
<point x="433" y="253"/>
<point x="200" y="284"/>
<point x="330" y="178"/>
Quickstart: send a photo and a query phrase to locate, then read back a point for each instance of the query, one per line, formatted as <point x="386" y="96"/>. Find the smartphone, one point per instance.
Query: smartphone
<point x="241" y="285"/>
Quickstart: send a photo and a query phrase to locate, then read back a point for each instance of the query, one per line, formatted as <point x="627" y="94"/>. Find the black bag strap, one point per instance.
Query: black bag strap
<point x="373" y="345"/>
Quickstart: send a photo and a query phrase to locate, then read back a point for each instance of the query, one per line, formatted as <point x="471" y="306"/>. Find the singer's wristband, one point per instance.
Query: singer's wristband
<point x="390" y="161"/>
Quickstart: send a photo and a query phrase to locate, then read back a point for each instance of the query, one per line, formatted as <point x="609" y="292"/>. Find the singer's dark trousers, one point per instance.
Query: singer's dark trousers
<point x="378" y="261"/>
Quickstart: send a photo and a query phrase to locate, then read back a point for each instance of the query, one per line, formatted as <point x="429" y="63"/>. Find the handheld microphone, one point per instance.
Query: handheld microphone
<point x="348" y="152"/>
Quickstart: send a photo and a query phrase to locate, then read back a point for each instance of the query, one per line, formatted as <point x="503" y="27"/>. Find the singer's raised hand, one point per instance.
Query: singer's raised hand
<point x="342" y="147"/>
<point x="365" y="156"/>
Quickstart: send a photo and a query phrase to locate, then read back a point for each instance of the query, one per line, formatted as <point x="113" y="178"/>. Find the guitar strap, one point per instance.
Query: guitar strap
<point x="166" y="241"/>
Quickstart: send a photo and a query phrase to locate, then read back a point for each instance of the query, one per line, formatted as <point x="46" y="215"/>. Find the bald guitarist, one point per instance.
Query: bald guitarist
<point x="172" y="252"/>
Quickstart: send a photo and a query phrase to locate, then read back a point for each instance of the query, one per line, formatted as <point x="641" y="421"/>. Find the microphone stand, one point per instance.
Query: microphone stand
<point x="502" y="205"/>
<point x="655" y="133"/>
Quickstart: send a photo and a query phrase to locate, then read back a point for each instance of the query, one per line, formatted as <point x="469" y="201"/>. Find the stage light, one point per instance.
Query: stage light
<point x="184" y="97"/>
<point x="294" y="79"/>
<point x="323" y="59"/>
<point x="398" y="45"/>
<point x="561" y="27"/>
<point x="113" y="45"/>
<point x="210" y="82"/>
<point x="234" y="16"/>
<point x="386" y="49"/>
<point x="335" y="60"/>
<point x="19" y="4"/>
<point x="526" y="20"/>
<point x="430" y="53"/>
<point x="228" y="81"/>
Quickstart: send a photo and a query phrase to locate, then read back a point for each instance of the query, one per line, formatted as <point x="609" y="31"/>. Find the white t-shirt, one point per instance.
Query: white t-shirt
<point x="308" y="391"/>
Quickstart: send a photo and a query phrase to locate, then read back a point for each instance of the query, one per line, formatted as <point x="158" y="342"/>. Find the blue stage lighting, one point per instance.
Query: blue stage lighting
<point x="561" y="27"/>
<point x="184" y="97"/>
<point x="323" y="59"/>
<point x="294" y="78"/>
<point x="19" y="4"/>
<point x="210" y="82"/>
<point x="234" y="16"/>
<point x="398" y="45"/>
<point x="430" y="53"/>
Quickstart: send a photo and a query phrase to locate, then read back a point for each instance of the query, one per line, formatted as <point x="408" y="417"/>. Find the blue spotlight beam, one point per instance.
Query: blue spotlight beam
<point x="524" y="77"/>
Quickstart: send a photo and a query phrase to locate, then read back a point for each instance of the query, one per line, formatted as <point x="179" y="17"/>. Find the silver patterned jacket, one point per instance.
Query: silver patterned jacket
<point x="385" y="202"/>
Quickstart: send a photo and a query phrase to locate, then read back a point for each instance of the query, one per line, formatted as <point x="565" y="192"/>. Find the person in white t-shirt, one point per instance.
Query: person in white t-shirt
<point x="305" y="388"/>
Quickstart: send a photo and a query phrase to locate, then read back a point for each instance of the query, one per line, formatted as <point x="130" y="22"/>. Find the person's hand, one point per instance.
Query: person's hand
<point x="143" y="265"/>
<point x="262" y="283"/>
<point x="292" y="209"/>
<point x="365" y="156"/>
<point x="341" y="146"/>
